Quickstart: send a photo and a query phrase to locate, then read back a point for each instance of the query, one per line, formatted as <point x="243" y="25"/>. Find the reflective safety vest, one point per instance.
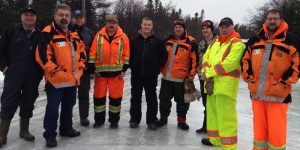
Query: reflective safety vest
<point x="222" y="62"/>
<point x="110" y="57"/>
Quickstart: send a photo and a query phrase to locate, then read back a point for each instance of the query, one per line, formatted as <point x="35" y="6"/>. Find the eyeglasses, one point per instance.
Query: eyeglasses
<point x="63" y="15"/>
<point x="275" y="19"/>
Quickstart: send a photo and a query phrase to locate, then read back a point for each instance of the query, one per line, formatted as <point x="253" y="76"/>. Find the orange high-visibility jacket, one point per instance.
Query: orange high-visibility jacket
<point x="181" y="62"/>
<point x="110" y="57"/>
<point x="62" y="57"/>
<point x="270" y="66"/>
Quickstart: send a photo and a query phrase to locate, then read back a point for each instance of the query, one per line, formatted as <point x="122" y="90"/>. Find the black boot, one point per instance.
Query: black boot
<point x="183" y="126"/>
<point x="206" y="142"/>
<point x="70" y="133"/>
<point x="114" y="125"/>
<point x="4" y="127"/>
<point x="24" y="130"/>
<point x="162" y="121"/>
<point x="202" y="130"/>
<point x="133" y="125"/>
<point x="85" y="122"/>
<point x="51" y="142"/>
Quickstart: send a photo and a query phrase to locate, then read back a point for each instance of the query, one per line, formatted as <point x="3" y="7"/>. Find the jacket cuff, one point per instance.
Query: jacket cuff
<point x="125" y="67"/>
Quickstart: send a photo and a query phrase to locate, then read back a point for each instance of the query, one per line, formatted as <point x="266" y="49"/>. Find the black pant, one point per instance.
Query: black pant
<point x="168" y="90"/>
<point x="83" y="95"/>
<point x="20" y="89"/>
<point x="204" y="95"/>
<point x="137" y="86"/>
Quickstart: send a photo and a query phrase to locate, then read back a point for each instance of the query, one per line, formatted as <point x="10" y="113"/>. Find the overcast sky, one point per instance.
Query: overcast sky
<point x="215" y="10"/>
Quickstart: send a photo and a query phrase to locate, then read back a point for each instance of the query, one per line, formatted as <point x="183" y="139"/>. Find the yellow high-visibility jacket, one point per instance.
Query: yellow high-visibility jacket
<point x="222" y="62"/>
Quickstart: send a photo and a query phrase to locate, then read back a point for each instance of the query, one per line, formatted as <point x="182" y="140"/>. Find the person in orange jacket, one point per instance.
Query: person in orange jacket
<point x="181" y="64"/>
<point x="61" y="54"/>
<point x="109" y="56"/>
<point x="270" y="86"/>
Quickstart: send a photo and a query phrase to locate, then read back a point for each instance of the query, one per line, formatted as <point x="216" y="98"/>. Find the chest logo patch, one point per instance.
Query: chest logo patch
<point x="61" y="44"/>
<point x="257" y="51"/>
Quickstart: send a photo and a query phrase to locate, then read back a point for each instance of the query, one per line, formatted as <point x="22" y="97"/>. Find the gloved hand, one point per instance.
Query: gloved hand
<point x="91" y="68"/>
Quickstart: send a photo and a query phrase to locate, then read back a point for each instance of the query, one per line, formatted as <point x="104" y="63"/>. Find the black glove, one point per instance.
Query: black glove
<point x="91" y="68"/>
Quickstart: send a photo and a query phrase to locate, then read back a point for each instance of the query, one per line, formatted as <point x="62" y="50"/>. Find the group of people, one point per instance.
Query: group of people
<point x="67" y="53"/>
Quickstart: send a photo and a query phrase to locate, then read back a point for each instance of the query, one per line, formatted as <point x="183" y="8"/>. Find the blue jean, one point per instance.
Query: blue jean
<point x="67" y="98"/>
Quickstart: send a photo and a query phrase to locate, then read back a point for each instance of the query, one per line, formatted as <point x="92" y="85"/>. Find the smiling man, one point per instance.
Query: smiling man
<point x="148" y="55"/>
<point x="61" y="53"/>
<point x="109" y="55"/>
<point x="270" y="86"/>
<point x="221" y="72"/>
<point x="22" y="73"/>
<point x="180" y="65"/>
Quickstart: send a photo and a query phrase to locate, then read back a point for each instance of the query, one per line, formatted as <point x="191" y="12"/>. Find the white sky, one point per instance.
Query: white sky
<point x="215" y="10"/>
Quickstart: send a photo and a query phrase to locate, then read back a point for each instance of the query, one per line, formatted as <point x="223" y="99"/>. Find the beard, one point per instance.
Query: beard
<point x="272" y="27"/>
<point x="64" y="22"/>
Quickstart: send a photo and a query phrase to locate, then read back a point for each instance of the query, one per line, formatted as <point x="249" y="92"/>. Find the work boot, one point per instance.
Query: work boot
<point x="51" y="142"/>
<point x="85" y="122"/>
<point x="162" y="121"/>
<point x="183" y="126"/>
<point x="133" y="125"/>
<point x="4" y="127"/>
<point x="114" y="125"/>
<point x="152" y="126"/>
<point x="98" y="124"/>
<point x="24" y="132"/>
<point x="202" y="130"/>
<point x="206" y="141"/>
<point x="70" y="133"/>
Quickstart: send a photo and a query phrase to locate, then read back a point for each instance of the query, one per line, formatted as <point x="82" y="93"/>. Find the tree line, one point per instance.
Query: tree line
<point x="130" y="13"/>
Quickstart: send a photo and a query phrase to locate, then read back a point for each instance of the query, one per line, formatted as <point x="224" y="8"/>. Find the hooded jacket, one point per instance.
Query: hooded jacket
<point x="270" y="65"/>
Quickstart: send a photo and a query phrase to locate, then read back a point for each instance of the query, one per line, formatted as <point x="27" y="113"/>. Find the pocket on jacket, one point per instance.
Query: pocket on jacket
<point x="58" y="77"/>
<point x="279" y="90"/>
<point x="252" y="86"/>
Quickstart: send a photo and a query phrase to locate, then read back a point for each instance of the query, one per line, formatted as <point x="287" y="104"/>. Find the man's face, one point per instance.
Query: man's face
<point x="178" y="30"/>
<point x="62" y="17"/>
<point x="226" y="30"/>
<point x="273" y="21"/>
<point x="111" y="25"/>
<point x="79" y="20"/>
<point x="28" y="18"/>
<point x="206" y="31"/>
<point x="147" y="26"/>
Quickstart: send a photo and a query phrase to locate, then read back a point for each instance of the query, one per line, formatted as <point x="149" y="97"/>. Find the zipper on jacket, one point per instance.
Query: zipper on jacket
<point x="143" y="58"/>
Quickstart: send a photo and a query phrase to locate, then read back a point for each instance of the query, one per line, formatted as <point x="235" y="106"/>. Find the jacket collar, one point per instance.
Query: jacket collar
<point x="279" y="34"/>
<point x="119" y="32"/>
<point x="150" y="36"/>
<point x="183" y="38"/>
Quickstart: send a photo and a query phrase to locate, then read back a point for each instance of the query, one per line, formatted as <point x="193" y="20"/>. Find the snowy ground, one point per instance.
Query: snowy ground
<point x="166" y="138"/>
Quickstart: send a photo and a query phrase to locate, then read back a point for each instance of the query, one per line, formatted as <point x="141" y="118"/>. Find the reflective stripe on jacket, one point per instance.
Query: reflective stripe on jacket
<point x="181" y="62"/>
<point x="270" y="66"/>
<point x="222" y="62"/>
<point x="110" y="57"/>
<point x="62" y="56"/>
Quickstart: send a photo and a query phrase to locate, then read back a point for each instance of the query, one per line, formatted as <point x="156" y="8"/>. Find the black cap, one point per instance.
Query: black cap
<point x="78" y="13"/>
<point x="26" y="9"/>
<point x="227" y="21"/>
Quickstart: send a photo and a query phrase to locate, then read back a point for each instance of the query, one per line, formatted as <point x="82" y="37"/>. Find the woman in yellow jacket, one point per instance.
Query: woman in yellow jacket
<point x="221" y="70"/>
